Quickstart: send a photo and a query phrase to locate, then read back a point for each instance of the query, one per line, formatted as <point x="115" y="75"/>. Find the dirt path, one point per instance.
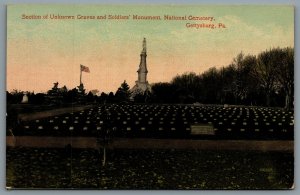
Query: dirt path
<point x="135" y="143"/>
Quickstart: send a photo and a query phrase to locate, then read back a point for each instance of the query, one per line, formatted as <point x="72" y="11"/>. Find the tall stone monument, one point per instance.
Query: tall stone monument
<point x="142" y="85"/>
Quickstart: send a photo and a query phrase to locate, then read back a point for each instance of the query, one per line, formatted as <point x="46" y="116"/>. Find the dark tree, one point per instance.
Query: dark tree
<point x="143" y="97"/>
<point x="71" y="96"/>
<point x="38" y="98"/>
<point x="123" y="93"/>
<point x="81" y="89"/>
<point x="110" y="98"/>
<point x="211" y="80"/>
<point x="90" y="97"/>
<point x="163" y="93"/>
<point x="54" y="90"/>
<point x="188" y="87"/>
<point x="103" y="98"/>
<point x="15" y="97"/>
<point x="9" y="97"/>
<point x="265" y="72"/>
<point x="243" y="83"/>
<point x="285" y="74"/>
<point x="227" y="75"/>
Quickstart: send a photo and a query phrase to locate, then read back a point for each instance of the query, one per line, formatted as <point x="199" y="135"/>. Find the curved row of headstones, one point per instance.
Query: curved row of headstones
<point x="166" y="121"/>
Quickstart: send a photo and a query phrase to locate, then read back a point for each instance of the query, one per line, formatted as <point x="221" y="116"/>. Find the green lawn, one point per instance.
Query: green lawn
<point x="148" y="169"/>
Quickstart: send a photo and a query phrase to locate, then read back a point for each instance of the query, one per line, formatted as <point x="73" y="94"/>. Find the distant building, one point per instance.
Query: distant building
<point x="142" y="85"/>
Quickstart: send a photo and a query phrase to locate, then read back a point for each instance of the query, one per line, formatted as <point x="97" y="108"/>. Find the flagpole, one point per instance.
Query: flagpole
<point x="80" y="75"/>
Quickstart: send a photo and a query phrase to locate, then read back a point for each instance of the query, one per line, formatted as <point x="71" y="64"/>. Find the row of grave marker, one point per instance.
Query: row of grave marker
<point x="94" y="117"/>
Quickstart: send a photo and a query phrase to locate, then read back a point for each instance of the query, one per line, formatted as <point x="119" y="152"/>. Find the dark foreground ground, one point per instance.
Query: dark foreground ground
<point x="148" y="169"/>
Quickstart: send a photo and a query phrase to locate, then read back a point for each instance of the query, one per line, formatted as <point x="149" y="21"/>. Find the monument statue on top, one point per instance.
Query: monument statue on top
<point x="142" y="85"/>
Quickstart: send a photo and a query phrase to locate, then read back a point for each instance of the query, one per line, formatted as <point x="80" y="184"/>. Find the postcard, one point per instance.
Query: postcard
<point x="190" y="97"/>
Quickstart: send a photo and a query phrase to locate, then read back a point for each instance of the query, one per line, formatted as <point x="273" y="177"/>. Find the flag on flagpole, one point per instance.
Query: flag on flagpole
<point x="84" y="68"/>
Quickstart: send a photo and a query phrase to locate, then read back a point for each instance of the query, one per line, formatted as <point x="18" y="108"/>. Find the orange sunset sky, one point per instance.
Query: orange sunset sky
<point x="43" y="51"/>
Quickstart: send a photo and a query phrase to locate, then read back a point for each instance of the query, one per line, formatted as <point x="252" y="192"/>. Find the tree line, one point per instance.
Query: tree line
<point x="263" y="80"/>
<point x="63" y="96"/>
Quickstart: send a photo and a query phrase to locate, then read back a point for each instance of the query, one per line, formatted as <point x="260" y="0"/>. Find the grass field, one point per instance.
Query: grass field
<point x="148" y="169"/>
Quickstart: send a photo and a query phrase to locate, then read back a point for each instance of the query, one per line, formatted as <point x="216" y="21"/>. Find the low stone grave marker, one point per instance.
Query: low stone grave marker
<point x="202" y="129"/>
